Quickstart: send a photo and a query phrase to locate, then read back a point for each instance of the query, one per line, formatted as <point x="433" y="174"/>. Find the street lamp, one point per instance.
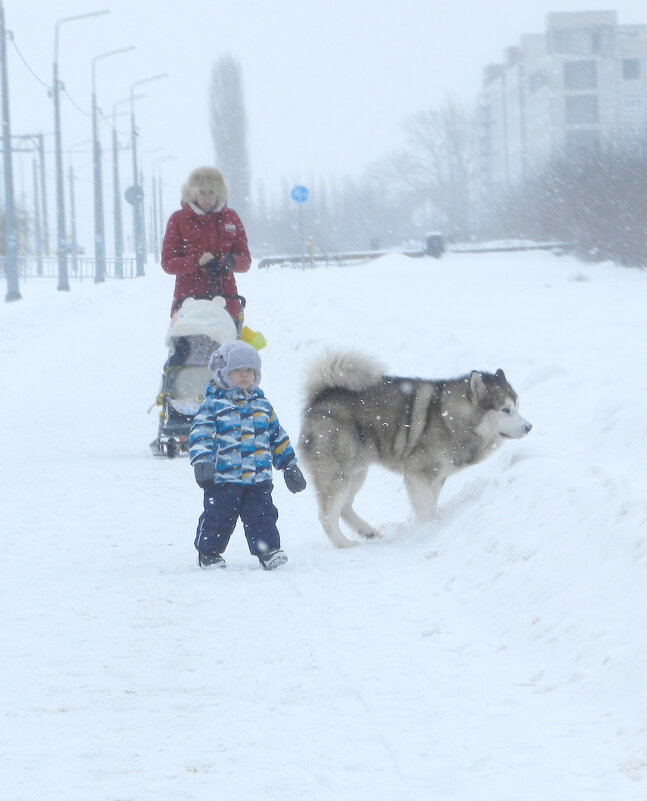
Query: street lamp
<point x="10" y="240"/>
<point x="99" y="229"/>
<point x="136" y="191"/>
<point x="118" y="221"/>
<point x="158" y="215"/>
<point x="145" y="237"/>
<point x="63" y="283"/>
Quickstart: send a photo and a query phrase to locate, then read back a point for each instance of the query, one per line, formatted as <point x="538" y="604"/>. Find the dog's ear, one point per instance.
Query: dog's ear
<point x="500" y="375"/>
<point x="477" y="387"/>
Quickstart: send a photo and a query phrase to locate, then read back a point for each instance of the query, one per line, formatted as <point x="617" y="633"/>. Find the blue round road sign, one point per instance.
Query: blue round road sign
<point x="299" y="194"/>
<point x="134" y="194"/>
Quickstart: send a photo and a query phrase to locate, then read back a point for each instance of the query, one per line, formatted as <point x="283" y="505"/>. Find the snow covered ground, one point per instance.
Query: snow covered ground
<point x="495" y="655"/>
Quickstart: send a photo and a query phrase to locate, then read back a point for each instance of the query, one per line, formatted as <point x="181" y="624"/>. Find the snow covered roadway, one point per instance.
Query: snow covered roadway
<point x="496" y="655"/>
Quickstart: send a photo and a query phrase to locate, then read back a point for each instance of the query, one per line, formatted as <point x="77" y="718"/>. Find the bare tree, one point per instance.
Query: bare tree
<point x="436" y="162"/>
<point x="229" y="130"/>
<point x="597" y="203"/>
<point x="396" y="201"/>
<point x="23" y="225"/>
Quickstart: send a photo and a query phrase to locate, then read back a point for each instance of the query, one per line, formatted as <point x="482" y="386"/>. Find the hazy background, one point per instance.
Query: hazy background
<point x="327" y="84"/>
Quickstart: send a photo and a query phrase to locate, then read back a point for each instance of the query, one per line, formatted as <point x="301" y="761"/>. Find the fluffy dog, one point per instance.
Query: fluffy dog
<point x="426" y="430"/>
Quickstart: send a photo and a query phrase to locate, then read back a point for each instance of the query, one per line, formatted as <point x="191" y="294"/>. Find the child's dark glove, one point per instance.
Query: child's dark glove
<point x="205" y="474"/>
<point x="294" y="479"/>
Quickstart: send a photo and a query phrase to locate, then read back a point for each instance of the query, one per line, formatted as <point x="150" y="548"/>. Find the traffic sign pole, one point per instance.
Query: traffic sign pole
<point x="299" y="195"/>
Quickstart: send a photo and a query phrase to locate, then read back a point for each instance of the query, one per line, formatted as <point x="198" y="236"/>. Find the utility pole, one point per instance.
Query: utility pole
<point x="156" y="249"/>
<point x="38" y="236"/>
<point x="10" y="239"/>
<point x="158" y="222"/>
<point x="137" y="194"/>
<point x="137" y="191"/>
<point x="160" y="205"/>
<point x="99" y="231"/>
<point x="33" y="143"/>
<point x="73" y="248"/>
<point x="116" y="201"/>
<point x="99" y="228"/>
<point x="63" y="282"/>
<point x="43" y="193"/>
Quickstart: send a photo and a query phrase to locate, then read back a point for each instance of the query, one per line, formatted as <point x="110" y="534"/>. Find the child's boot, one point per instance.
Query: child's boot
<point x="211" y="560"/>
<point x="273" y="559"/>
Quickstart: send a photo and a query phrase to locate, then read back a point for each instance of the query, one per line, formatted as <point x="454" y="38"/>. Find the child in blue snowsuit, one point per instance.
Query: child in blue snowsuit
<point x="235" y="441"/>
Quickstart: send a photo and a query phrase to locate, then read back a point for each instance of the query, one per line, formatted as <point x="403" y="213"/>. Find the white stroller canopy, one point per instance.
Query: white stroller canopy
<point x="201" y="318"/>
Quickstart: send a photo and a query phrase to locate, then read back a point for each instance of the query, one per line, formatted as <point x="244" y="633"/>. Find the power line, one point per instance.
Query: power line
<point x="10" y="36"/>
<point x="76" y="106"/>
<point x="46" y="85"/>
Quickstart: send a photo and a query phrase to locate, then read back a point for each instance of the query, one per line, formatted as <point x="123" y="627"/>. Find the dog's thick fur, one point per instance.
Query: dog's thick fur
<point x="356" y="416"/>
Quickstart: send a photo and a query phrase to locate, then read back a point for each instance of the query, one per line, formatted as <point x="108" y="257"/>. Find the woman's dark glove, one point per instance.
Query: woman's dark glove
<point x="227" y="262"/>
<point x="205" y="474"/>
<point x="220" y="264"/>
<point x="294" y="479"/>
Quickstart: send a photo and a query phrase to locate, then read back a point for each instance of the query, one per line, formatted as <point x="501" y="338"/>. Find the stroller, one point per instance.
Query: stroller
<point x="196" y="330"/>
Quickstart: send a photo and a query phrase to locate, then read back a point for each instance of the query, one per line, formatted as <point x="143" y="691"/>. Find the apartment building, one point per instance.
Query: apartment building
<point x="568" y="91"/>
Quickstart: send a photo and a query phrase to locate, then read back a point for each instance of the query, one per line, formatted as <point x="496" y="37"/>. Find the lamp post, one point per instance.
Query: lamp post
<point x="116" y="197"/>
<point x="99" y="228"/>
<point x="63" y="283"/>
<point x="75" y="252"/>
<point x="145" y="238"/>
<point x="11" y="242"/>
<point x="158" y="215"/>
<point x="38" y="234"/>
<point x="137" y="192"/>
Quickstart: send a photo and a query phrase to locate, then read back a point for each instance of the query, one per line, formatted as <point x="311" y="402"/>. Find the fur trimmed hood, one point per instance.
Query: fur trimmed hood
<point x="206" y="177"/>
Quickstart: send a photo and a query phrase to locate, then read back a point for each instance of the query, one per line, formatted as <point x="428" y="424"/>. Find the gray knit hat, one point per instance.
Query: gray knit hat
<point x="231" y="356"/>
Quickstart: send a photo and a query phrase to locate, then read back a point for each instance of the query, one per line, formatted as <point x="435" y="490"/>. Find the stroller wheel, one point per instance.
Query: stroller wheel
<point x="172" y="448"/>
<point x="156" y="448"/>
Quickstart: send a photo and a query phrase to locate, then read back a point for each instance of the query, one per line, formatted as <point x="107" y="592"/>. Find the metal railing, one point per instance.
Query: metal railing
<point x="81" y="268"/>
<point x="434" y="247"/>
<point x="335" y="259"/>
<point x="506" y="245"/>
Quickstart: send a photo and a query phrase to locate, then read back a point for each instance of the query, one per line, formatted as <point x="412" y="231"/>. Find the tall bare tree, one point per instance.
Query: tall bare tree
<point x="435" y="164"/>
<point x="229" y="130"/>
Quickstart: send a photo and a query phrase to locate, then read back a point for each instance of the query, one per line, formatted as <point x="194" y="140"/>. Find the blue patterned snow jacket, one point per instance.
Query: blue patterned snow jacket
<point x="241" y="434"/>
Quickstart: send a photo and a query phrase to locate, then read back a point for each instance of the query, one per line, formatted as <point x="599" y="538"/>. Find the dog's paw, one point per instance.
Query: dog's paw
<point x="344" y="543"/>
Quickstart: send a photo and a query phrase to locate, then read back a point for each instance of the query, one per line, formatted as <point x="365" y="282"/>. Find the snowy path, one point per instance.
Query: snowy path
<point x="495" y="656"/>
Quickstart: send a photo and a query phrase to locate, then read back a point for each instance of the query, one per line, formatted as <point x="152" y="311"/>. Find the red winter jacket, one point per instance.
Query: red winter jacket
<point x="189" y="234"/>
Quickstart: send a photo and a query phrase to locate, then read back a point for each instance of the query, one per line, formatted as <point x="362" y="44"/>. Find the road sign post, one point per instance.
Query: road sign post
<point x="299" y="195"/>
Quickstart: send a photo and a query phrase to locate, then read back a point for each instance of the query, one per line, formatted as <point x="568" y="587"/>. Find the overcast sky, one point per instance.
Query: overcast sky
<point x="327" y="84"/>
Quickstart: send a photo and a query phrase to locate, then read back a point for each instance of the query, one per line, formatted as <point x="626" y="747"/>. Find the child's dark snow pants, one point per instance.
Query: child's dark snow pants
<point x="224" y="504"/>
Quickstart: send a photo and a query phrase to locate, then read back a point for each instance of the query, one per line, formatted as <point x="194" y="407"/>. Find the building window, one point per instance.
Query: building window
<point x="582" y="144"/>
<point x="572" y="40"/>
<point x="596" y="42"/>
<point x="581" y="109"/>
<point x="537" y="80"/>
<point x="581" y="41"/>
<point x="580" y="75"/>
<point x="631" y="69"/>
<point x="632" y="104"/>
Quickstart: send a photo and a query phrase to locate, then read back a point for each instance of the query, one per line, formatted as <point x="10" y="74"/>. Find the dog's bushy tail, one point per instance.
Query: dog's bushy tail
<point x="346" y="369"/>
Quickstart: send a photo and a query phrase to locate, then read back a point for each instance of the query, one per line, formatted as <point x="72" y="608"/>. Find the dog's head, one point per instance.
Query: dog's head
<point x="498" y="403"/>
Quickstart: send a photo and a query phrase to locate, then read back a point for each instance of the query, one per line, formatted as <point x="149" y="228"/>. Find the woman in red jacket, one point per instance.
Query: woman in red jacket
<point x="205" y="242"/>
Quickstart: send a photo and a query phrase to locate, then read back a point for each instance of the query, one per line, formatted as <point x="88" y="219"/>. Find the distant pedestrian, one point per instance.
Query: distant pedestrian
<point x="235" y="440"/>
<point x="205" y="243"/>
